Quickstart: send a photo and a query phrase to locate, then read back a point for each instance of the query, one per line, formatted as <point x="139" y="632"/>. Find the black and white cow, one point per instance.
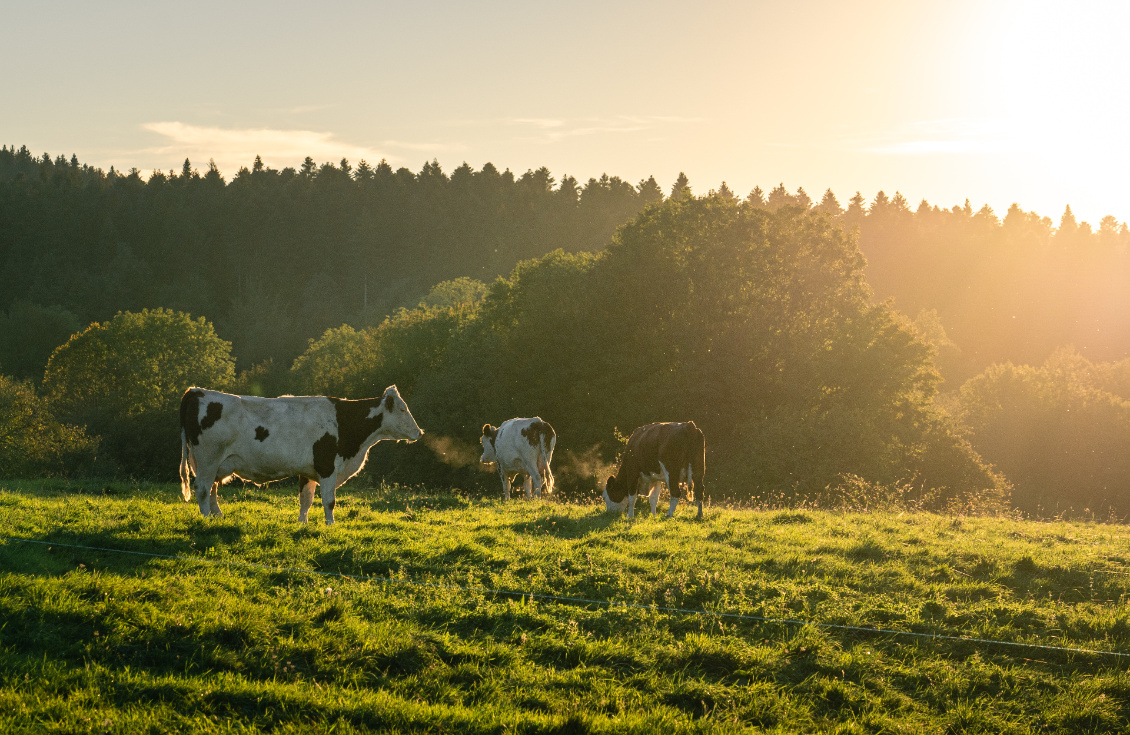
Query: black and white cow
<point x="670" y="454"/>
<point x="324" y="441"/>
<point x="521" y="446"/>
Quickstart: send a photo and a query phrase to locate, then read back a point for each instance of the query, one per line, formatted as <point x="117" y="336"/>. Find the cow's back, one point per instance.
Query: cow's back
<point x="674" y="444"/>
<point x="520" y="439"/>
<point x="258" y="439"/>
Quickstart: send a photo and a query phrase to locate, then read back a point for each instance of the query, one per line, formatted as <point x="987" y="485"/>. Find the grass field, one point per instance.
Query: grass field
<point x="253" y="628"/>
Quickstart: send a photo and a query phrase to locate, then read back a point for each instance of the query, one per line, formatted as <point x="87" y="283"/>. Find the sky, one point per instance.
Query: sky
<point x="997" y="101"/>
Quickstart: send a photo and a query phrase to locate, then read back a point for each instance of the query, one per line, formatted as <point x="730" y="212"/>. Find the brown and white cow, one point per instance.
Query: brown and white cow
<point x="671" y="454"/>
<point x="322" y="440"/>
<point x="521" y="446"/>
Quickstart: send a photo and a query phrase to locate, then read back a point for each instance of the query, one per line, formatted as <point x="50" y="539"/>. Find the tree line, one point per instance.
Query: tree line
<point x="755" y="316"/>
<point x="275" y="257"/>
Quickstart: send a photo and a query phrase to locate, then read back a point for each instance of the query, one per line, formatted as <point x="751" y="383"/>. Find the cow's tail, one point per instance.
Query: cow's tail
<point x="544" y="457"/>
<point x="185" y="480"/>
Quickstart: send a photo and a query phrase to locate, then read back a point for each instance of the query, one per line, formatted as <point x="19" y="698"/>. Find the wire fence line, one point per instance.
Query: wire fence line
<point x="611" y="604"/>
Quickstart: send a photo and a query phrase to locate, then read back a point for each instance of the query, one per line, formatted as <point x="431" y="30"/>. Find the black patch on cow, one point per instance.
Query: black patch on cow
<point x="492" y="432"/>
<point x="354" y="425"/>
<point x="261" y="433"/>
<point x="190" y="414"/>
<point x="215" y="410"/>
<point x="536" y="430"/>
<point x="389" y="403"/>
<point x="325" y="452"/>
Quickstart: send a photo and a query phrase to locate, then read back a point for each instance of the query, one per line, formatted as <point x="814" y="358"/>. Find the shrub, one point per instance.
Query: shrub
<point x="1057" y="431"/>
<point x="123" y="380"/>
<point x="32" y="442"/>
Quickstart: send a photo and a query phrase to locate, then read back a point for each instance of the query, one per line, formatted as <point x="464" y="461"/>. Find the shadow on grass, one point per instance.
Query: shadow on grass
<point x="116" y="550"/>
<point x="563" y="526"/>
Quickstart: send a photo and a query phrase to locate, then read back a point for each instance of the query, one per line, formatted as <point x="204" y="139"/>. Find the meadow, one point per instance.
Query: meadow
<point x="434" y="611"/>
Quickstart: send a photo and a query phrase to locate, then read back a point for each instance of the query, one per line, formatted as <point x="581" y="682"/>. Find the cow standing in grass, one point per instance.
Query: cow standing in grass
<point x="521" y="446"/>
<point x="324" y="441"/>
<point x="660" y="454"/>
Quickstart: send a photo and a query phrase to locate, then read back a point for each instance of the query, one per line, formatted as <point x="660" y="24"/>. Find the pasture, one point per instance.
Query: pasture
<point x="398" y="619"/>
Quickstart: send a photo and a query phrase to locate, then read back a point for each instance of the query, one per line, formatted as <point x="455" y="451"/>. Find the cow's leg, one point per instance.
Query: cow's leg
<point x="676" y="489"/>
<point x="697" y="492"/>
<point x="653" y="492"/>
<point x="505" y="483"/>
<point x="631" y="506"/>
<point x="306" y="487"/>
<point x="214" y="500"/>
<point x="328" y="486"/>
<point x="204" y="482"/>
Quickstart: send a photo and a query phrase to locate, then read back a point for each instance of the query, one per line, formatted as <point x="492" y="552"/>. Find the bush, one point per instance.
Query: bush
<point x="123" y="380"/>
<point x="1057" y="431"/>
<point x="32" y="442"/>
<point x="352" y="363"/>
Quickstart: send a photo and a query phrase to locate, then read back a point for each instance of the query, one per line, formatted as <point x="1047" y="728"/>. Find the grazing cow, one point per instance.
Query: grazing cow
<point x="666" y="453"/>
<point x="322" y="440"/>
<point x="521" y="446"/>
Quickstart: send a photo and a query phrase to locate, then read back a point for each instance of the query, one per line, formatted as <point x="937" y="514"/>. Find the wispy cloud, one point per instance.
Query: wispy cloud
<point x="947" y="136"/>
<point x="548" y="130"/>
<point x="235" y="147"/>
<point x="232" y="148"/>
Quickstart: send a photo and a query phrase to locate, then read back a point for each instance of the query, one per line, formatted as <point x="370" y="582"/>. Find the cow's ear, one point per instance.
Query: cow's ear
<point x="489" y="430"/>
<point x="611" y="482"/>
<point x="389" y="402"/>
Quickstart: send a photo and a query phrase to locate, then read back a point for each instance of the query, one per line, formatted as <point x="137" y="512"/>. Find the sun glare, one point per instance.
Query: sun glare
<point x="1053" y="75"/>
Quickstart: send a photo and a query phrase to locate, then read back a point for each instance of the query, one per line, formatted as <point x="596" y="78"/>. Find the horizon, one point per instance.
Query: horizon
<point x="999" y="102"/>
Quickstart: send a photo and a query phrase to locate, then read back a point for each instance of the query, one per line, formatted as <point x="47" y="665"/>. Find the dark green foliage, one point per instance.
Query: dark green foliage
<point x="277" y="257"/>
<point x="123" y="380"/>
<point x="29" y="333"/>
<point x="357" y="364"/>
<point x="32" y="442"/>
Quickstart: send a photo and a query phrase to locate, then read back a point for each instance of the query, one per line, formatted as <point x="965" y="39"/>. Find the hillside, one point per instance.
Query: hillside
<point x="393" y="620"/>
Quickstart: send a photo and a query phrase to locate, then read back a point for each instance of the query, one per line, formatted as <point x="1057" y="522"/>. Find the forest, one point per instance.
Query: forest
<point x="862" y="353"/>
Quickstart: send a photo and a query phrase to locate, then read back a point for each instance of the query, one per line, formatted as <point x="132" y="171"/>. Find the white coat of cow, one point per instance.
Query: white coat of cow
<point x="521" y="446"/>
<point x="322" y="440"/>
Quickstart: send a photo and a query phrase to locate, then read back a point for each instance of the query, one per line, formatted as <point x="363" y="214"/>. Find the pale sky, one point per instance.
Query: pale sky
<point x="998" y="101"/>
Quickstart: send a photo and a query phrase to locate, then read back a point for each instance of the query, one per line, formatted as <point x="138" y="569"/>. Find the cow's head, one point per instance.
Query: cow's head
<point x="611" y="505"/>
<point x="398" y="422"/>
<point x="490" y="434"/>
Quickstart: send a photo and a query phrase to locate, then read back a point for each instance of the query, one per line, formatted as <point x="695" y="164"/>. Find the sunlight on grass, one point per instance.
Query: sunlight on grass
<point x="417" y="636"/>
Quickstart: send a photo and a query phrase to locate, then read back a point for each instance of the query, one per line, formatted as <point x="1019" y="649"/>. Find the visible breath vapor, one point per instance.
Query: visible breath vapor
<point x="454" y="452"/>
<point x="586" y="463"/>
<point x="458" y="453"/>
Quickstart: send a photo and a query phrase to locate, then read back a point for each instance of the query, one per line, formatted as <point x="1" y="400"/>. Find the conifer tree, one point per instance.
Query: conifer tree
<point x="829" y="204"/>
<point x="681" y="188"/>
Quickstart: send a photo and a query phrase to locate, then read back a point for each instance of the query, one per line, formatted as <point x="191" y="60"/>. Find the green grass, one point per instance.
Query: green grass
<point x="414" y="640"/>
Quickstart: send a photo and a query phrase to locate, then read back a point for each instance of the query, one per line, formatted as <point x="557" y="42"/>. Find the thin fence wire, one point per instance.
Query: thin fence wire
<point x="611" y="604"/>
